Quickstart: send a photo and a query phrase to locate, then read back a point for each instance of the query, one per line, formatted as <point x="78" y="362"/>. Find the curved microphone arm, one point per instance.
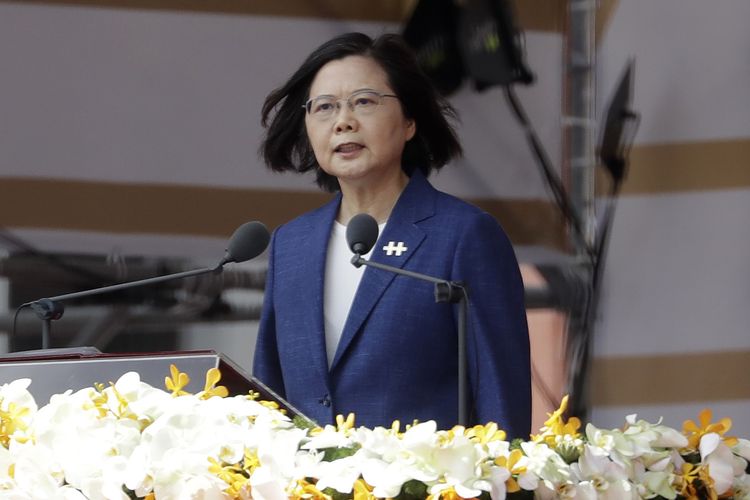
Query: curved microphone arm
<point x="52" y="308"/>
<point x="454" y="292"/>
<point x="247" y="242"/>
<point x="445" y="291"/>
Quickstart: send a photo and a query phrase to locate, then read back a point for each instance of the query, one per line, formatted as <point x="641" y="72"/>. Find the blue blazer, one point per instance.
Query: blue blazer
<point x="397" y="357"/>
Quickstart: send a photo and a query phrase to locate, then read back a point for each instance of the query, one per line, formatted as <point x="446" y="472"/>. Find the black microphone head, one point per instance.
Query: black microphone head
<point x="362" y="233"/>
<point x="247" y="242"/>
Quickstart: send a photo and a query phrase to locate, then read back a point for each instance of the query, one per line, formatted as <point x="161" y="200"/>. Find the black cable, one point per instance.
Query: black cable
<point x="558" y="192"/>
<point x="15" y="319"/>
<point x="580" y="352"/>
<point x="579" y="349"/>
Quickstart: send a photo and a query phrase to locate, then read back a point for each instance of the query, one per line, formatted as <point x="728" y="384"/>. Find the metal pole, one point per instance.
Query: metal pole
<point x="580" y="160"/>
<point x="580" y="119"/>
<point x="463" y="384"/>
<point x="46" y="332"/>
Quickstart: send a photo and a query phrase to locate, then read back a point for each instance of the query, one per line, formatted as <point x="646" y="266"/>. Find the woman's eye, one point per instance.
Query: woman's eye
<point x="322" y="107"/>
<point x="364" y="101"/>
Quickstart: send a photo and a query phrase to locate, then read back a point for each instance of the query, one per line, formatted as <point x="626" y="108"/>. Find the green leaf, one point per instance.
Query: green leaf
<point x="515" y="444"/>
<point x="412" y="490"/>
<point x="337" y="495"/>
<point x="301" y="422"/>
<point x="331" y="454"/>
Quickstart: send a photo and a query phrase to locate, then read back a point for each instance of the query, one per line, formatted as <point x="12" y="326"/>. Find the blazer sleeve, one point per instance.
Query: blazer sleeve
<point x="266" y="364"/>
<point x="497" y="332"/>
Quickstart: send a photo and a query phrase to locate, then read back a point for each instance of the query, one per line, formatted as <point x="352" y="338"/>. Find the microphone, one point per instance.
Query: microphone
<point x="247" y="242"/>
<point x="361" y="235"/>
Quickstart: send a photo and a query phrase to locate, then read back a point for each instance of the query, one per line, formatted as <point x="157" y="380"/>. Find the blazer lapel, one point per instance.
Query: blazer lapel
<point x="314" y="256"/>
<point x="403" y="237"/>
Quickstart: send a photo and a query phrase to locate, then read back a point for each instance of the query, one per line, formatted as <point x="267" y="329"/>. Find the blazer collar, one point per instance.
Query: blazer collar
<point x="403" y="237"/>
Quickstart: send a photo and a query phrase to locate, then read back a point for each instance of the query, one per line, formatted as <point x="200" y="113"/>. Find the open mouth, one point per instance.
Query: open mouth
<point x="348" y="147"/>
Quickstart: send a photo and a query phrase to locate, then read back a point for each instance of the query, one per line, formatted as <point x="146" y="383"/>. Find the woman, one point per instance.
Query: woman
<point x="336" y="339"/>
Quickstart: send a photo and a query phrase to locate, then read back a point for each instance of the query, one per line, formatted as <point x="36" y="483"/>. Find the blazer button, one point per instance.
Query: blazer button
<point x="325" y="401"/>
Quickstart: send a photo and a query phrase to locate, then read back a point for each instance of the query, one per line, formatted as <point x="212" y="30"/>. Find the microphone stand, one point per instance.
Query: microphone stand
<point x="247" y="242"/>
<point x="454" y="292"/>
<point x="51" y="308"/>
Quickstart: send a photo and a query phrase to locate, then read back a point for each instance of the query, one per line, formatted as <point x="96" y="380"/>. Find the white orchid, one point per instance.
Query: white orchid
<point x="17" y="393"/>
<point x="742" y="448"/>
<point x="386" y="478"/>
<point x="327" y="437"/>
<point x="266" y="486"/>
<point x="607" y="478"/>
<point x="278" y="451"/>
<point x="415" y="452"/>
<point x="651" y="484"/>
<point x="543" y="464"/>
<point x="459" y="462"/>
<point x="29" y="472"/>
<point x="722" y="467"/>
<point x="620" y="447"/>
<point x="338" y="474"/>
<point x="129" y="439"/>
<point x="741" y="487"/>
<point x="384" y="461"/>
<point x="389" y="459"/>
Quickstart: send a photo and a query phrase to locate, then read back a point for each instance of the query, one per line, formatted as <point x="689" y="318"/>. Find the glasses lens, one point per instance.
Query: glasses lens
<point x="364" y="102"/>
<point x="322" y="107"/>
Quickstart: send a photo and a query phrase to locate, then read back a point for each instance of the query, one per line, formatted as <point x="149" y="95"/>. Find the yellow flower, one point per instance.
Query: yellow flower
<point x="447" y="437"/>
<point x="210" y="389"/>
<point x="308" y="491"/>
<point x="273" y="405"/>
<point x="11" y="420"/>
<point x="511" y="463"/>
<point x="555" y="426"/>
<point x="230" y="474"/>
<point x="446" y="494"/>
<point x="362" y="490"/>
<point x="695" y="432"/>
<point x="99" y="401"/>
<point x="486" y="433"/>
<point x="695" y="483"/>
<point x="708" y="483"/>
<point x="396" y="428"/>
<point x="123" y="405"/>
<point x="344" y="425"/>
<point x="177" y="382"/>
<point x="686" y="480"/>
<point x="251" y="462"/>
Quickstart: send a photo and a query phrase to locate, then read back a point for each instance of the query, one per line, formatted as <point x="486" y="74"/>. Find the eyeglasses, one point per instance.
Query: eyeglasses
<point x="362" y="102"/>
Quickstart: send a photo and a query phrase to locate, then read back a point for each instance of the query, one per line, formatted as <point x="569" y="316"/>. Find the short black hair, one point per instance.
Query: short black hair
<point x="286" y="146"/>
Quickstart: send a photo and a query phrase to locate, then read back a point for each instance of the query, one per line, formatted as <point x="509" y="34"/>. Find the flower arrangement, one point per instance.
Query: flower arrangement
<point x="131" y="440"/>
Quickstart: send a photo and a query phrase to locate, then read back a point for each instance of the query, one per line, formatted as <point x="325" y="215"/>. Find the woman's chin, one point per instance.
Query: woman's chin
<point x="350" y="171"/>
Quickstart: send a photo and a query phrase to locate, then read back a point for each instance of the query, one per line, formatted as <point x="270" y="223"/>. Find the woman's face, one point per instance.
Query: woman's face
<point x="362" y="146"/>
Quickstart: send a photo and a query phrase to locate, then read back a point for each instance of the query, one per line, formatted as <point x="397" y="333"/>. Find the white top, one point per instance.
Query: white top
<point x="340" y="285"/>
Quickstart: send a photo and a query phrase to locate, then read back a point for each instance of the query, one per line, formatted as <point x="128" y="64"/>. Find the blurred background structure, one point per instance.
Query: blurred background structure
<point x="128" y="149"/>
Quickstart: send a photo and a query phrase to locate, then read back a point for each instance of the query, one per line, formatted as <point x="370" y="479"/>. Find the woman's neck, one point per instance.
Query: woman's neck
<point x="377" y="199"/>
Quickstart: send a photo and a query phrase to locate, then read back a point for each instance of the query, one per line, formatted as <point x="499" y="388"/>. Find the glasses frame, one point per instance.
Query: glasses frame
<point x="308" y="104"/>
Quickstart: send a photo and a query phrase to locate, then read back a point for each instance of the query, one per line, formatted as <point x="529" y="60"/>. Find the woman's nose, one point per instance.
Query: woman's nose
<point x="345" y="120"/>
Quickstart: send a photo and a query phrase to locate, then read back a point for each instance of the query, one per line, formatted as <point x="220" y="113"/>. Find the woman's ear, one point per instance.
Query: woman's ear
<point x="411" y="130"/>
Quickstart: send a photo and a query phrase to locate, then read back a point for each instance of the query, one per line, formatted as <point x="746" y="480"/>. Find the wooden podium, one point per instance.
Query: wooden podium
<point x="53" y="371"/>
